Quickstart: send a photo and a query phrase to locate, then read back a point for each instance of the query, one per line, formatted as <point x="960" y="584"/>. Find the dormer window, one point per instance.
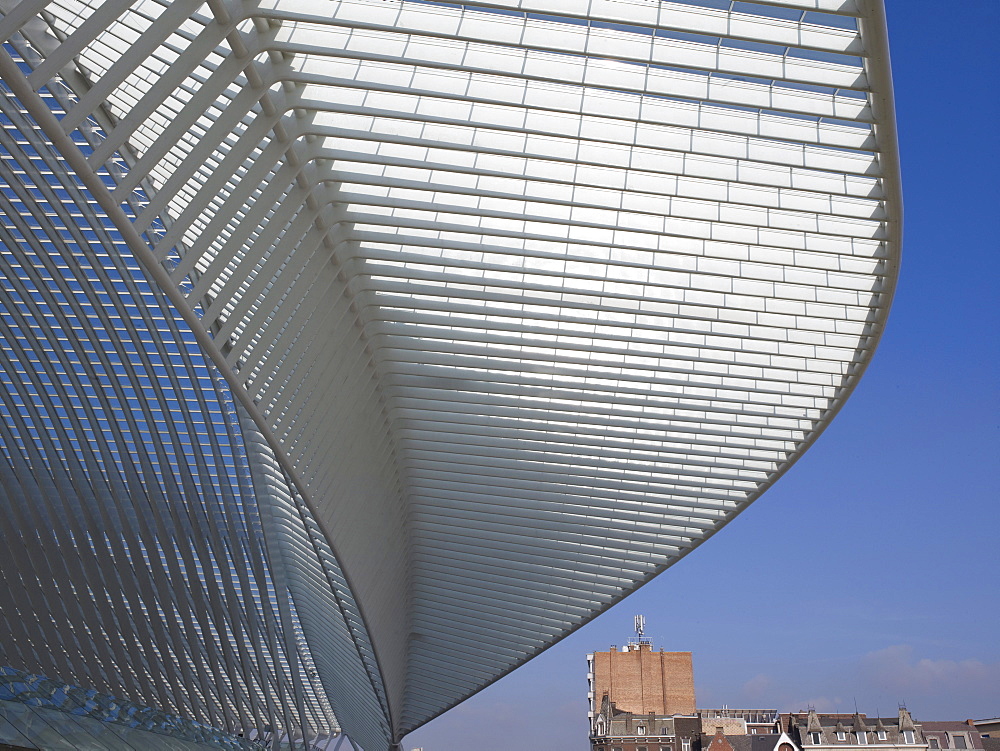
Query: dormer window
<point x="907" y="736"/>
<point x="959" y="741"/>
<point x="816" y="738"/>
<point x="841" y="735"/>
<point x="640" y="729"/>
<point x="862" y="738"/>
<point x="881" y="735"/>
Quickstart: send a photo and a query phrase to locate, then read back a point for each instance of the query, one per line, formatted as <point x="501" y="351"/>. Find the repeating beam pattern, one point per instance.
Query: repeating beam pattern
<point x="521" y="299"/>
<point x="157" y="552"/>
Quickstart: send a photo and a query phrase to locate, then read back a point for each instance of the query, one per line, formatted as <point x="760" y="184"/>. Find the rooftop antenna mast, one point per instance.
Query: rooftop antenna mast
<point x="640" y="632"/>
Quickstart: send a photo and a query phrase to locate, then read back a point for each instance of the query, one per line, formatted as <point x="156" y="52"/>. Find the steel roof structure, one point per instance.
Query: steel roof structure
<point x="356" y="351"/>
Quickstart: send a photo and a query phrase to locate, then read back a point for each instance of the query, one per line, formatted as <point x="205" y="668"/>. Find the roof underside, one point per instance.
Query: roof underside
<point x="518" y="301"/>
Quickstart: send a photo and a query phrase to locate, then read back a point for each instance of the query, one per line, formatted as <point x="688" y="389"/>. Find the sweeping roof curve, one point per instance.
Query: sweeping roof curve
<point x="522" y="300"/>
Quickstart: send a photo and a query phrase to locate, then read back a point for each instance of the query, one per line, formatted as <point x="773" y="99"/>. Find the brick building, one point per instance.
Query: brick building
<point x="642" y="700"/>
<point x="738" y="722"/>
<point x="638" y="679"/>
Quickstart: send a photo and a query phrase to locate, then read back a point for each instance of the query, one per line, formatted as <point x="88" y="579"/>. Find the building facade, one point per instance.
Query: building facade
<point x="989" y="731"/>
<point x="642" y="699"/>
<point x="641" y="680"/>
<point x="721" y="741"/>
<point x="952" y="735"/>
<point x="853" y="732"/>
<point x="988" y="728"/>
<point x="739" y="721"/>
<point x="614" y="729"/>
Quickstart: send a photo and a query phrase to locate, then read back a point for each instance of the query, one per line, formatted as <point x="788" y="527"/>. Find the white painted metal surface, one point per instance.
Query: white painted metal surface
<point x="522" y="300"/>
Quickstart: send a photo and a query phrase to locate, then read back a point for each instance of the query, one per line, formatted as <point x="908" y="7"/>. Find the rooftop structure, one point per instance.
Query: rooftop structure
<point x="355" y="352"/>
<point x="748" y="742"/>
<point x="616" y="729"/>
<point x="953" y="735"/>
<point x="854" y="731"/>
<point x="640" y="680"/>
<point x="739" y="721"/>
<point x="989" y="728"/>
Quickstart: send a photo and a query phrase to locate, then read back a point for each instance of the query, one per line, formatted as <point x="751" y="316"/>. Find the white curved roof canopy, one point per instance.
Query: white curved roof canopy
<point x="517" y="302"/>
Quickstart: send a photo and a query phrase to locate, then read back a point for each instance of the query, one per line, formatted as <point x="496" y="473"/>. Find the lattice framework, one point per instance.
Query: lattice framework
<point x="520" y="301"/>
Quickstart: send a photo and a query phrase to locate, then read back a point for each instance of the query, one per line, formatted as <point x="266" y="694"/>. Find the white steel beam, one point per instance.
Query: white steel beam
<point x="520" y="300"/>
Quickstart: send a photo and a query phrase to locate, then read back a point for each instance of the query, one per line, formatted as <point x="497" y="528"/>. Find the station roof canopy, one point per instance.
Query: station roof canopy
<point x="356" y="351"/>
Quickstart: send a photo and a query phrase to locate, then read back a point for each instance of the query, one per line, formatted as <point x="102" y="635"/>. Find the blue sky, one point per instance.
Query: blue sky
<point x="870" y="572"/>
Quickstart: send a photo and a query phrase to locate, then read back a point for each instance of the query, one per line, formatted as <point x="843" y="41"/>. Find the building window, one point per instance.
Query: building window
<point x="881" y="735"/>
<point x="934" y="742"/>
<point x="959" y="741"/>
<point x="841" y="735"/>
<point x="816" y="738"/>
<point x="907" y="736"/>
<point x="862" y="738"/>
<point x="640" y="730"/>
<point x="685" y="744"/>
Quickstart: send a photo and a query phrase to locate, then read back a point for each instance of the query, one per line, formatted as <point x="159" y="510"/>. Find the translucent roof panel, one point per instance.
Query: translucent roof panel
<point x="521" y="300"/>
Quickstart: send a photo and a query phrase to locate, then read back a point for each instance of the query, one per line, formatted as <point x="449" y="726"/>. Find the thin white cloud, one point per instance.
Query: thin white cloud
<point x="757" y="687"/>
<point x="897" y="669"/>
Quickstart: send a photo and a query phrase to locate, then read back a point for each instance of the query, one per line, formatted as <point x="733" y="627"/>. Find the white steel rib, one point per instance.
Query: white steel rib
<point x="513" y="303"/>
